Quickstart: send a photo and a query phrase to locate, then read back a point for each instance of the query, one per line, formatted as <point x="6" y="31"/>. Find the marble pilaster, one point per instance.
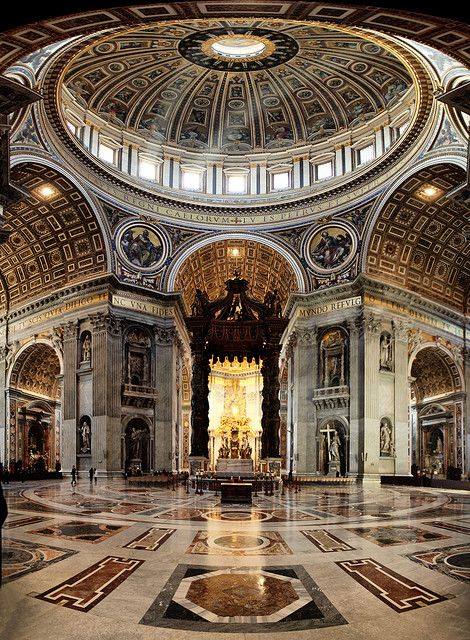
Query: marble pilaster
<point x="371" y="406"/>
<point x="68" y="455"/>
<point x="166" y="403"/>
<point x="305" y="375"/>
<point x="107" y="372"/>
<point x="401" y="427"/>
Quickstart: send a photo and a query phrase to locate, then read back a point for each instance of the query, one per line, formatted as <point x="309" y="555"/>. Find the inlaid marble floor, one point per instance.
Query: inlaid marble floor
<point x="357" y="562"/>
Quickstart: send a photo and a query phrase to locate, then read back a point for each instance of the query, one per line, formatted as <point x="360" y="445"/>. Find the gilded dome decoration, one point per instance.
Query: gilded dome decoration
<point x="238" y="86"/>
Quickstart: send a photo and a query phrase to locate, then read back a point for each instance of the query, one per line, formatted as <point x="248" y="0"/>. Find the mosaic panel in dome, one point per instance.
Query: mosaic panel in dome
<point x="209" y="267"/>
<point x="54" y="239"/>
<point x="422" y="242"/>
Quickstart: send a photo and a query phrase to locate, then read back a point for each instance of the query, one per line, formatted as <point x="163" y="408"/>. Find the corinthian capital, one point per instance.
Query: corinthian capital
<point x="102" y="321"/>
<point x="307" y="337"/>
<point x="401" y="330"/>
<point x="68" y="331"/>
<point x="165" y="336"/>
<point x="372" y="324"/>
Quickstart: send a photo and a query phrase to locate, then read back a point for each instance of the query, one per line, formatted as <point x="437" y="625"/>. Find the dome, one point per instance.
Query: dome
<point x="236" y="86"/>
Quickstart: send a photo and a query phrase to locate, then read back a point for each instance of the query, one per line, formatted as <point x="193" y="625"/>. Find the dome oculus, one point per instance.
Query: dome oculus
<point x="244" y="47"/>
<point x="238" y="48"/>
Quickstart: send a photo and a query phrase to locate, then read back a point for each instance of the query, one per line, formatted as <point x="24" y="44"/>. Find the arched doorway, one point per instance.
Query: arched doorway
<point x="35" y="408"/>
<point x="436" y="412"/>
<point x="137" y="450"/>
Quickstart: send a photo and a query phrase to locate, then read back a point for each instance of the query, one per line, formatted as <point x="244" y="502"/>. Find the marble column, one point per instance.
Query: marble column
<point x="356" y="392"/>
<point x="401" y="426"/>
<point x="165" y="406"/>
<point x="68" y="454"/>
<point x="107" y="374"/>
<point x="371" y="406"/>
<point x="304" y="416"/>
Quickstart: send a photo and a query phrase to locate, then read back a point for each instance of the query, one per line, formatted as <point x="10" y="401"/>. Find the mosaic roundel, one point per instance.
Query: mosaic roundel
<point x="331" y="248"/>
<point x="238" y="48"/>
<point x="141" y="246"/>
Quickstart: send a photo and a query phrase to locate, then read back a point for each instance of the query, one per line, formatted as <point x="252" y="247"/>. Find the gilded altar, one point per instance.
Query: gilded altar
<point x="234" y="413"/>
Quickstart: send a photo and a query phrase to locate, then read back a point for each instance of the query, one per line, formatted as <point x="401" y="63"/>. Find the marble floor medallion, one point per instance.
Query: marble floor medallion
<point x="83" y="531"/>
<point x="20" y="557"/>
<point x="260" y="543"/>
<point x="452" y="561"/>
<point x="241" y="599"/>
<point x="387" y="536"/>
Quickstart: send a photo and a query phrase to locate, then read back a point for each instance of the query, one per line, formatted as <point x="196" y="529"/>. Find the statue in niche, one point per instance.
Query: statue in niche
<point x="386" y="352"/>
<point x="86" y="348"/>
<point x="136" y="443"/>
<point x="84" y="432"/>
<point x="334" y="448"/>
<point x="386" y="438"/>
<point x="333" y="359"/>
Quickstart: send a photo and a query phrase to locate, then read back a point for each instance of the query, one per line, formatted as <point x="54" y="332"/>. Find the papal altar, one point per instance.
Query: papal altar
<point x="227" y="467"/>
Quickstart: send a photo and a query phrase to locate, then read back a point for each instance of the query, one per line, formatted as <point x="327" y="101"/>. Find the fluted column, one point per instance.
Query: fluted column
<point x="107" y="372"/>
<point x="305" y="376"/>
<point x="166" y="405"/>
<point x="68" y="456"/>
<point x="401" y="426"/>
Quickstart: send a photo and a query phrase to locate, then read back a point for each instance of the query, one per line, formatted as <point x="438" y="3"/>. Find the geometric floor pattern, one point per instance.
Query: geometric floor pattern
<point x="337" y="562"/>
<point x="241" y="599"/>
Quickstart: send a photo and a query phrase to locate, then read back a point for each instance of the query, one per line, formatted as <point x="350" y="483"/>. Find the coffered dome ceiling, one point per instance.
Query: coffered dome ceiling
<point x="237" y="85"/>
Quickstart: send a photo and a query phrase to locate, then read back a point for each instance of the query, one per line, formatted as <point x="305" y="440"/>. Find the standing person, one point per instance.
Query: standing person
<point x="95" y="474"/>
<point x="74" y="478"/>
<point x="91" y="473"/>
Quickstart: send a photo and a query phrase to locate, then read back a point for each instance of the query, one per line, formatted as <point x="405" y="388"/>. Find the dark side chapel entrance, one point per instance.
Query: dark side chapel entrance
<point x="235" y="326"/>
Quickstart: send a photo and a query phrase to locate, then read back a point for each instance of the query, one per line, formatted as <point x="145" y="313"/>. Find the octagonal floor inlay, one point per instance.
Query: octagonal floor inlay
<point x="241" y="594"/>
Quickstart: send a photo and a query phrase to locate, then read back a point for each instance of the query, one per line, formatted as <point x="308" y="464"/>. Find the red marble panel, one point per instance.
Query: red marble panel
<point x="83" y="591"/>
<point x="398" y="592"/>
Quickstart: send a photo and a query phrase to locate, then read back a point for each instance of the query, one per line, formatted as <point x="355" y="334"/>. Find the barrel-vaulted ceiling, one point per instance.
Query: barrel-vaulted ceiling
<point x="421" y="239"/>
<point x="37" y="371"/>
<point x="209" y="267"/>
<point x="54" y="236"/>
<point x="433" y="373"/>
<point x="165" y="82"/>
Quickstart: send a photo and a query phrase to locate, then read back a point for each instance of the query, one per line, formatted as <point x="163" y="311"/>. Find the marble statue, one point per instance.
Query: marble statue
<point x="334" y="448"/>
<point x="386" y="439"/>
<point x="136" y="443"/>
<point x="386" y="353"/>
<point x="85" y="436"/>
<point x="86" y="348"/>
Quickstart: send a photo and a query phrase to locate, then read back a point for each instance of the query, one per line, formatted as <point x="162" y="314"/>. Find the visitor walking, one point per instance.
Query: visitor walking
<point x="74" y="478"/>
<point x="91" y="473"/>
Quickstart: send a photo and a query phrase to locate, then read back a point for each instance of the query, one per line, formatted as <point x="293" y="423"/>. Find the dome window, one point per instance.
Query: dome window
<point x="148" y="169"/>
<point x="324" y="170"/>
<point x="366" y="154"/>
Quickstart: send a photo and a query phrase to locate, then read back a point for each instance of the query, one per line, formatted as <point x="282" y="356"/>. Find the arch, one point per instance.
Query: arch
<point x="324" y="462"/>
<point x="34" y="385"/>
<point x="251" y="246"/>
<point x="55" y="234"/>
<point x="23" y="354"/>
<point x="438" y="370"/>
<point x="407" y="223"/>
